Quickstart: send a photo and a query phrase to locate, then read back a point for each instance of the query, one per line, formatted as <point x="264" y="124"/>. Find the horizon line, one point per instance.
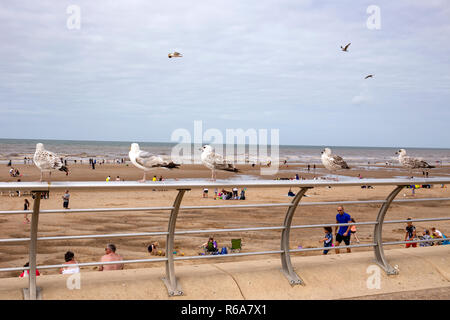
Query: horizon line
<point x="284" y="145"/>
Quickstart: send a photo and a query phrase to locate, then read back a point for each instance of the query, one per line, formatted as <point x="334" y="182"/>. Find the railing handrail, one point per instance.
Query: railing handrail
<point x="173" y="185"/>
<point x="182" y="186"/>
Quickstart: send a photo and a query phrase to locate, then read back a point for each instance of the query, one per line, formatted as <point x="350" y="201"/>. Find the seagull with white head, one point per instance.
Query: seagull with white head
<point x="48" y="161"/>
<point x="411" y="163"/>
<point x="332" y="162"/>
<point x="146" y="161"/>
<point x="215" y="161"/>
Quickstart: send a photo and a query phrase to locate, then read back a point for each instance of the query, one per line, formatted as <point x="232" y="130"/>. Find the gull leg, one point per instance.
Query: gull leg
<point x="49" y="176"/>
<point x="42" y="176"/>
<point x="144" y="177"/>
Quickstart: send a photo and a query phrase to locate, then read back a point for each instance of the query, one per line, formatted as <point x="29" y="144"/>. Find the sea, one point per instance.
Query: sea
<point x="18" y="149"/>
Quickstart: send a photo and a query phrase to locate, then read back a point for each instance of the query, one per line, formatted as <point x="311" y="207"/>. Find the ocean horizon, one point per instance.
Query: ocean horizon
<point x="17" y="149"/>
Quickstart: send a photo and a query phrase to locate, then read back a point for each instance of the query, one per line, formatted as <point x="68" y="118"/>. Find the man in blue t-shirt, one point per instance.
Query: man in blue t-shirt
<point x="344" y="232"/>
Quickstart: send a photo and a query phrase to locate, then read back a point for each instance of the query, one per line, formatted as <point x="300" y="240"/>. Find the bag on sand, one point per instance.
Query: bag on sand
<point x="224" y="250"/>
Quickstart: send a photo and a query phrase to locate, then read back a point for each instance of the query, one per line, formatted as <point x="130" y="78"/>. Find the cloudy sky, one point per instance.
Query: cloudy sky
<point x="265" y="64"/>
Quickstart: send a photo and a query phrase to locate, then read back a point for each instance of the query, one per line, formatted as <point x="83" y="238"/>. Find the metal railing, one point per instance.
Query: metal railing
<point x="170" y="279"/>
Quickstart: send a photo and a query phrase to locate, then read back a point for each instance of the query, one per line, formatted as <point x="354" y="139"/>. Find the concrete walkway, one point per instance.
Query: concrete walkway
<point x="342" y="276"/>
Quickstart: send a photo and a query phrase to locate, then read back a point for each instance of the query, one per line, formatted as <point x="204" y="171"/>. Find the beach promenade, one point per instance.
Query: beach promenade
<point x="424" y="274"/>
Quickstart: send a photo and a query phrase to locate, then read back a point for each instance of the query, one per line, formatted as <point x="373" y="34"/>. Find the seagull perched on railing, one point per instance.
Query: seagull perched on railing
<point x="48" y="161"/>
<point x="146" y="161"/>
<point x="332" y="162"/>
<point x="411" y="163"/>
<point x="215" y="161"/>
<point x="175" y="55"/>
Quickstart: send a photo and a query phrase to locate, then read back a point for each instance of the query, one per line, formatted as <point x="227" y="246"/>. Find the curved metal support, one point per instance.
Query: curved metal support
<point x="378" y="234"/>
<point x="33" y="293"/>
<point x="287" y="268"/>
<point x="170" y="280"/>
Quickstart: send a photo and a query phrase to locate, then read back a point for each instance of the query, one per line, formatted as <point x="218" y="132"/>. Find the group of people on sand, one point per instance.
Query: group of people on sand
<point x="109" y="257"/>
<point x="225" y="194"/>
<point x="411" y="235"/>
<point x="14" y="172"/>
<point x="344" y="233"/>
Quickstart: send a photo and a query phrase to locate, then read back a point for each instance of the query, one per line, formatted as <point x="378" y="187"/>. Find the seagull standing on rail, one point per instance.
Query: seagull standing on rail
<point x="146" y="161"/>
<point x="215" y="161"/>
<point x="48" y="161"/>
<point x="332" y="162"/>
<point x="411" y="163"/>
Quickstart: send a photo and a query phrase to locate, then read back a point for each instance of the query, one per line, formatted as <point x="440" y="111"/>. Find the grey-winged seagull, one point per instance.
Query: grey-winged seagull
<point x="332" y="162"/>
<point x="215" y="161"/>
<point x="48" y="161"/>
<point x="146" y="161"/>
<point x="411" y="163"/>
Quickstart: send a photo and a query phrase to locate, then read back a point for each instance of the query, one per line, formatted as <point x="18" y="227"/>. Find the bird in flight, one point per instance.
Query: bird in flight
<point x="175" y="55"/>
<point x="346" y="47"/>
<point x="369" y="76"/>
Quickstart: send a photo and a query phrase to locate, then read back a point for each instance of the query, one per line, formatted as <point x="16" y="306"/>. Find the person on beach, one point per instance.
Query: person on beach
<point x="353" y="231"/>
<point x="26" y="207"/>
<point x="154" y="250"/>
<point x="108" y="178"/>
<point x="426" y="236"/>
<point x="69" y="257"/>
<point x="235" y="193"/>
<point x="343" y="234"/>
<point x="111" y="255"/>
<point x="26" y="273"/>
<point x="328" y="239"/>
<point x="117" y="178"/>
<point x="66" y="198"/>
<point x="205" y="193"/>
<point x="210" y="246"/>
<point x="410" y="234"/>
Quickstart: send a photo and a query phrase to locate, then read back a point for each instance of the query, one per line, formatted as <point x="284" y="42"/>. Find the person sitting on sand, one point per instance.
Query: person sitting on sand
<point x="69" y="257"/>
<point x="26" y="273"/>
<point x="290" y="193"/>
<point x="426" y="236"/>
<point x="111" y="255"/>
<point x="154" y="250"/>
<point x="211" y="245"/>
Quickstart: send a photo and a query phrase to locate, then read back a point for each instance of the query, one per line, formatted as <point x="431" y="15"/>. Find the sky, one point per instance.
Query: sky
<point x="266" y="64"/>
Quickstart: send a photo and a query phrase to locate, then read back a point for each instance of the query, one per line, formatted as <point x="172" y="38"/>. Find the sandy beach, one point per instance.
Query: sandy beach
<point x="52" y="252"/>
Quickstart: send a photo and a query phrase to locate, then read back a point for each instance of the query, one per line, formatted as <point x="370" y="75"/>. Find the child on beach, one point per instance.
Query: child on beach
<point x="353" y="230"/>
<point x="410" y="234"/>
<point x="328" y="240"/>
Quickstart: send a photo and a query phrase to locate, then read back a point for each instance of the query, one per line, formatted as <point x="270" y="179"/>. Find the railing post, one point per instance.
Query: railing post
<point x="33" y="292"/>
<point x="170" y="280"/>
<point x="378" y="234"/>
<point x="287" y="268"/>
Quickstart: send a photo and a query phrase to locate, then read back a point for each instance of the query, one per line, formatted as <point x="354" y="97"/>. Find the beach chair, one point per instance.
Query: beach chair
<point x="236" y="245"/>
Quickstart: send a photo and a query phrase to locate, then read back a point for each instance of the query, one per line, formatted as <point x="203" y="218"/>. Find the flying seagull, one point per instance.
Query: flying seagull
<point x="215" y="161"/>
<point x="346" y="47"/>
<point x="332" y="162"/>
<point x="48" y="161"/>
<point x="175" y="55"/>
<point x="411" y="163"/>
<point x="146" y="161"/>
<point x="369" y="76"/>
